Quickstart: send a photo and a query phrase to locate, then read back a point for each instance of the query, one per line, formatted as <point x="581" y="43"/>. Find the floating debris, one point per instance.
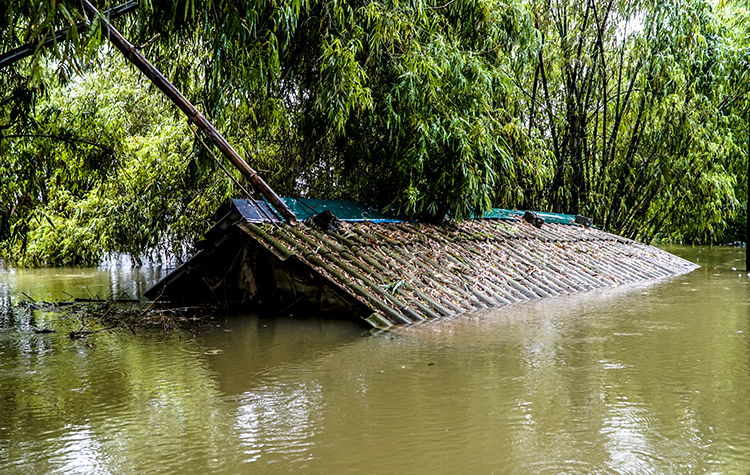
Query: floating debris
<point x="102" y="316"/>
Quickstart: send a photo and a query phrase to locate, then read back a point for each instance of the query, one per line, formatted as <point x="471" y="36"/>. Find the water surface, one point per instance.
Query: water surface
<point x="644" y="379"/>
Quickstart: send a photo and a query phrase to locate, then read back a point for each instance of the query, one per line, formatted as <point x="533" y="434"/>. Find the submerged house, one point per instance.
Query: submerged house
<point x="352" y="262"/>
<point x="344" y="259"/>
<point x="349" y="261"/>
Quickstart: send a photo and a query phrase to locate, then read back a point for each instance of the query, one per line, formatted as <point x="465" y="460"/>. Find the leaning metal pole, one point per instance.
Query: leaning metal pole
<point x="134" y="56"/>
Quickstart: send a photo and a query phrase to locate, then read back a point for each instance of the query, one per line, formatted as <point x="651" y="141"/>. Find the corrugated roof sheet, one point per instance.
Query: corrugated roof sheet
<point x="394" y="272"/>
<point x="411" y="272"/>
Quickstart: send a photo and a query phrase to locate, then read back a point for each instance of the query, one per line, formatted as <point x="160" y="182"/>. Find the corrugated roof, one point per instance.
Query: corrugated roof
<point x="391" y="272"/>
<point x="411" y="272"/>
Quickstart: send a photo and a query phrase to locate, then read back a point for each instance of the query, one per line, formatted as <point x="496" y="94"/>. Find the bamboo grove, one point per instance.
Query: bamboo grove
<point x="632" y="112"/>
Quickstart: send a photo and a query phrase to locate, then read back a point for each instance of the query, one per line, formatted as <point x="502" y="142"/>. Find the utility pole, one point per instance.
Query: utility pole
<point x="134" y="56"/>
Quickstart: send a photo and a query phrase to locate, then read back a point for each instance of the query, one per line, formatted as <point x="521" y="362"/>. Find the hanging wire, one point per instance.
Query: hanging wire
<point x="300" y="200"/>
<point x="251" y="199"/>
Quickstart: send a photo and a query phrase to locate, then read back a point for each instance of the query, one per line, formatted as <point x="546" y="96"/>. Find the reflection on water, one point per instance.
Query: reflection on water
<point x="116" y="280"/>
<point x="646" y="379"/>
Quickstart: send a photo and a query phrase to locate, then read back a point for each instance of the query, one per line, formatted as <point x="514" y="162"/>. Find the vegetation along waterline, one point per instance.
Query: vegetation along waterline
<point x="81" y="302"/>
<point x="631" y="113"/>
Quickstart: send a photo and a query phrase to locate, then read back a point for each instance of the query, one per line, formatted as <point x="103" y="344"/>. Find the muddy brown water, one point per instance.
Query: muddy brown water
<point x="643" y="379"/>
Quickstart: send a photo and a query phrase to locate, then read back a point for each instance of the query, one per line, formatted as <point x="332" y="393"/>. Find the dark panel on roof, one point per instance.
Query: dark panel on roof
<point x="255" y="211"/>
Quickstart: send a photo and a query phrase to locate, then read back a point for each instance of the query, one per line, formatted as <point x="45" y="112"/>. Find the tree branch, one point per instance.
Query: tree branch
<point x="106" y="149"/>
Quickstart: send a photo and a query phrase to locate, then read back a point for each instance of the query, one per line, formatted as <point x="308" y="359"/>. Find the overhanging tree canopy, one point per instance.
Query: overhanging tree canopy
<point x="626" y="111"/>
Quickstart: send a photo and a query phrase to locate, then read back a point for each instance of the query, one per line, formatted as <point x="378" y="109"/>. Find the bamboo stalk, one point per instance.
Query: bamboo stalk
<point x="551" y="279"/>
<point x="457" y="248"/>
<point x="355" y="243"/>
<point x="456" y="308"/>
<point x="612" y="266"/>
<point x="555" y="275"/>
<point x="659" y="268"/>
<point x="492" y="287"/>
<point x="313" y="259"/>
<point x="502" y="280"/>
<point x="537" y="280"/>
<point x="619" y="259"/>
<point x="601" y="268"/>
<point x="569" y="270"/>
<point x="456" y="289"/>
<point x="156" y="77"/>
<point x="470" y="268"/>
<point x="581" y="266"/>
<point x="378" y="321"/>
<point x="484" y="282"/>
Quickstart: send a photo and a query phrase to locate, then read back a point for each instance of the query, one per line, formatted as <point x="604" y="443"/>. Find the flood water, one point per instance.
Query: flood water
<point x="644" y="379"/>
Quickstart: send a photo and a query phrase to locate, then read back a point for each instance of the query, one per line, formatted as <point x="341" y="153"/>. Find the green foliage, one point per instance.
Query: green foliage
<point x="392" y="102"/>
<point x="115" y="174"/>
<point x="643" y="142"/>
<point x="634" y="113"/>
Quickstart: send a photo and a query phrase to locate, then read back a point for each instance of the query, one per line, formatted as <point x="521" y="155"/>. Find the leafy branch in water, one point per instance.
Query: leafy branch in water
<point x="104" y="316"/>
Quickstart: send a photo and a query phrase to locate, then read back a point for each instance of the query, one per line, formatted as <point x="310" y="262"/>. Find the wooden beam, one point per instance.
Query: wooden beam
<point x="134" y="56"/>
